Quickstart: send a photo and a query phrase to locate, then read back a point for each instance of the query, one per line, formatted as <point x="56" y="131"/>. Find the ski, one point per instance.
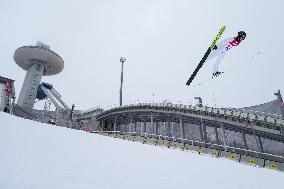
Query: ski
<point x="217" y="37"/>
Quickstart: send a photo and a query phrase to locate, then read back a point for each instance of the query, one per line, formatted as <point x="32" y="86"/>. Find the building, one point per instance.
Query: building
<point x="7" y="94"/>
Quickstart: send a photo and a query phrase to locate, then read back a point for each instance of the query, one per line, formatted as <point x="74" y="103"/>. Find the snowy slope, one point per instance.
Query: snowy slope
<point x="35" y="155"/>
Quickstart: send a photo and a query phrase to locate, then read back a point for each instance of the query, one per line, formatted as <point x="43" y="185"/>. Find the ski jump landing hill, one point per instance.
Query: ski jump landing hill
<point x="36" y="155"/>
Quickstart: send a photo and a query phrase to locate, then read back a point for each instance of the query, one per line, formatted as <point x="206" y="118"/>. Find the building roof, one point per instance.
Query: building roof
<point x="4" y="79"/>
<point x="273" y="108"/>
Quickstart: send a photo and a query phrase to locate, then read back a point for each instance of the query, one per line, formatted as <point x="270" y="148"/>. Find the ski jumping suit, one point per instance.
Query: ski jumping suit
<point x="222" y="48"/>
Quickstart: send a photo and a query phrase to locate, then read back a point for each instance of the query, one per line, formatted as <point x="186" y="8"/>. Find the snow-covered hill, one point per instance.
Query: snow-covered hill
<point x="35" y="155"/>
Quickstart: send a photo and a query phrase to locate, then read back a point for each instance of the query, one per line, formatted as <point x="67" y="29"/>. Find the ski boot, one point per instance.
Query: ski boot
<point x="216" y="74"/>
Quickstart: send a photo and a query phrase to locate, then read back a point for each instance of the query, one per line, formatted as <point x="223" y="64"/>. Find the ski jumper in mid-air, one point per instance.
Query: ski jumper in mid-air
<point x="222" y="48"/>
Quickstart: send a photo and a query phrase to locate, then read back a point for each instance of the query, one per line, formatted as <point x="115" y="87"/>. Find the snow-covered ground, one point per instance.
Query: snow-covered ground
<point x="35" y="155"/>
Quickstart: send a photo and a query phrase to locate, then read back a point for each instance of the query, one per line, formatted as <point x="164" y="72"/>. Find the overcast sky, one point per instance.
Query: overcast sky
<point x="162" y="40"/>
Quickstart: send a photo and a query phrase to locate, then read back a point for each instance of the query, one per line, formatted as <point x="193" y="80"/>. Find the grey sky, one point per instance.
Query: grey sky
<point x="163" y="41"/>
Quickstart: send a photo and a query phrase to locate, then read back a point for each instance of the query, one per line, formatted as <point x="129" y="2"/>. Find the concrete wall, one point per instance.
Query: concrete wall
<point x="248" y="160"/>
<point x="230" y="155"/>
<point x="2" y="96"/>
<point x="274" y="165"/>
<point x="252" y="161"/>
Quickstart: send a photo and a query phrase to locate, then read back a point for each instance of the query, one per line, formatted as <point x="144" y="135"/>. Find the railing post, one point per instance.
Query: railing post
<point x="156" y="128"/>
<point x="224" y="135"/>
<point x="260" y="144"/>
<point x="135" y="127"/>
<point x="245" y="140"/>
<point x="201" y="132"/>
<point x="131" y="119"/>
<point x="169" y="129"/>
<point x="152" y="123"/>
<point x="217" y="135"/>
<point x="114" y="125"/>
<point x="181" y="129"/>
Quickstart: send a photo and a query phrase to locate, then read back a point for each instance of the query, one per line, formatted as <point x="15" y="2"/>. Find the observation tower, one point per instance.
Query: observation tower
<point x="38" y="61"/>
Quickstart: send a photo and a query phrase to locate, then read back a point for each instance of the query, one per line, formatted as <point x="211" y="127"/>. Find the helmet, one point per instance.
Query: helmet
<point x="240" y="33"/>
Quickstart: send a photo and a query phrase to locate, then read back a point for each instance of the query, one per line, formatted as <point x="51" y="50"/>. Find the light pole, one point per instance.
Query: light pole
<point x="122" y="60"/>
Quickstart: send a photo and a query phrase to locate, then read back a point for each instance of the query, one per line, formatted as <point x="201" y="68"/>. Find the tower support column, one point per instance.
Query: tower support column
<point x="29" y="89"/>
